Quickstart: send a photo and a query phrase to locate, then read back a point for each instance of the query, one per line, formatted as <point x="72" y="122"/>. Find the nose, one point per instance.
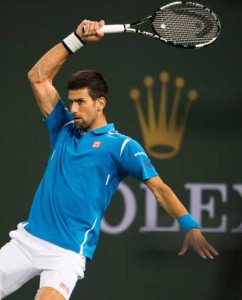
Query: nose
<point x="73" y="107"/>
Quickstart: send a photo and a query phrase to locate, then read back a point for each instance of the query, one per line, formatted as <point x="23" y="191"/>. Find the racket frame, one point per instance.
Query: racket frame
<point x="120" y="28"/>
<point x="194" y="4"/>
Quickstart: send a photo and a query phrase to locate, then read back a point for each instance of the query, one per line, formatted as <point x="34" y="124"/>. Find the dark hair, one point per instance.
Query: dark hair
<point x="90" y="79"/>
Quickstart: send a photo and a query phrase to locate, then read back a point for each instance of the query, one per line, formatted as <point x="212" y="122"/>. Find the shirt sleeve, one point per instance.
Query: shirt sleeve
<point x="135" y="162"/>
<point x="56" y="120"/>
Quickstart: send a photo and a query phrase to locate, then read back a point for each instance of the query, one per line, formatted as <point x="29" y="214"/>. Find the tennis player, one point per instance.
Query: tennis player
<point x="88" y="160"/>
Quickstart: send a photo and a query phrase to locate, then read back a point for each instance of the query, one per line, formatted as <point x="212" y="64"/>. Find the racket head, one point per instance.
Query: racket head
<point x="186" y="24"/>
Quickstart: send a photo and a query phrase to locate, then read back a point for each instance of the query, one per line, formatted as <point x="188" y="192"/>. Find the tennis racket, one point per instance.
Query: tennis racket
<point x="182" y="24"/>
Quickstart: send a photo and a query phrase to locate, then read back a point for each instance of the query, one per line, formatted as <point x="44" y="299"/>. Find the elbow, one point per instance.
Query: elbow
<point x="158" y="187"/>
<point x="31" y="76"/>
<point x="35" y="76"/>
<point x="163" y="191"/>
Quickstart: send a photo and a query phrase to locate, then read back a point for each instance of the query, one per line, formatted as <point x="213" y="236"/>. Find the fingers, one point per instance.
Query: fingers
<point x="207" y="251"/>
<point x="183" y="249"/>
<point x="90" y="30"/>
<point x="203" y="253"/>
<point x="182" y="252"/>
<point x="199" y="244"/>
<point x="204" y="249"/>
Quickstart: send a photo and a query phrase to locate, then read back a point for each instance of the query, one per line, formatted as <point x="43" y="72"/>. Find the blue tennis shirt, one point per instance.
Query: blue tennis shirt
<point x="82" y="174"/>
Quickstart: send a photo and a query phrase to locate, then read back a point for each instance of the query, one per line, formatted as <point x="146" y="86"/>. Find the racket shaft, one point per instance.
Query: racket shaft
<point x="117" y="28"/>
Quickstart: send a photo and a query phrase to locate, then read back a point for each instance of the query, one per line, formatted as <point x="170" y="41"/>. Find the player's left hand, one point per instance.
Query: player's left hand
<point x="198" y="243"/>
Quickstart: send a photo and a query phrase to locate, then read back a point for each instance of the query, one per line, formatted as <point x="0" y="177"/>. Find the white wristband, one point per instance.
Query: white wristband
<point x="72" y="43"/>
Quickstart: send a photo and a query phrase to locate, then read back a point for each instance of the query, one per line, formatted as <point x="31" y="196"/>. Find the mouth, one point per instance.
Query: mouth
<point x="78" y="122"/>
<point x="76" y="119"/>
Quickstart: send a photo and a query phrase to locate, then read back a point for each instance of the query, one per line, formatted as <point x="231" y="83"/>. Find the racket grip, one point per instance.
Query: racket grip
<point x="114" y="28"/>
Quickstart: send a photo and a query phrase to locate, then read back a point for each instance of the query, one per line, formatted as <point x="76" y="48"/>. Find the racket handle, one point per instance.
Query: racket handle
<point x="114" y="28"/>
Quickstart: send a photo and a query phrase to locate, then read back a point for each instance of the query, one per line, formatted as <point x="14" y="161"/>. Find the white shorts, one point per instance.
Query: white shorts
<point x="27" y="256"/>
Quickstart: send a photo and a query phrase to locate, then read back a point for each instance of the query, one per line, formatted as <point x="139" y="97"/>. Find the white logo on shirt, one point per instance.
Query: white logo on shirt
<point x="140" y="153"/>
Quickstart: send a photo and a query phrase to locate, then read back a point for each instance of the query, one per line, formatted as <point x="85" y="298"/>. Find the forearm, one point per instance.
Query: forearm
<point x="42" y="75"/>
<point x="166" y="198"/>
<point x="169" y="201"/>
<point x="193" y="236"/>
<point x="172" y="205"/>
<point x="51" y="62"/>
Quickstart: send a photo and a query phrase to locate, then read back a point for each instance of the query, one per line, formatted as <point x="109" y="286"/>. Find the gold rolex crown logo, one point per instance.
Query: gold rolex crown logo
<point x="162" y="132"/>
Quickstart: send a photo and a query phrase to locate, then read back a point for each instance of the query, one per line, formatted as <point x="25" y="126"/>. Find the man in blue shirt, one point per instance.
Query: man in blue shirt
<point x="88" y="160"/>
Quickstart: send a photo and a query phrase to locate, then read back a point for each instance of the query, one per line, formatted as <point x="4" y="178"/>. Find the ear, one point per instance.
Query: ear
<point x="101" y="103"/>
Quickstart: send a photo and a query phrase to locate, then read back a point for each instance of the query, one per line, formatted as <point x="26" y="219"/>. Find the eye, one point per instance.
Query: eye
<point x="79" y="101"/>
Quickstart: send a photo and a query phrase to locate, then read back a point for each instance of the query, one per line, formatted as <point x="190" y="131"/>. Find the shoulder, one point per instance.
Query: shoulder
<point x="115" y="134"/>
<point x="126" y="143"/>
<point x="121" y="138"/>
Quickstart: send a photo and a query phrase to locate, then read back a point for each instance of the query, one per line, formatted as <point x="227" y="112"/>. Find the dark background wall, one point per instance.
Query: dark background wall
<point x="133" y="264"/>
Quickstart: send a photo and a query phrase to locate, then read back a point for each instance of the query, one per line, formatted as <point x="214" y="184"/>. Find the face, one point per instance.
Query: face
<point x="85" y="110"/>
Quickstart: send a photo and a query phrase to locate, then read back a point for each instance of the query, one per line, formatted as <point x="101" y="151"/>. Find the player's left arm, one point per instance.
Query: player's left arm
<point x="173" y="206"/>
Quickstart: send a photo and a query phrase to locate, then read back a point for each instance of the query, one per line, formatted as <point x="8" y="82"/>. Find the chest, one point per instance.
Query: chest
<point x="88" y="151"/>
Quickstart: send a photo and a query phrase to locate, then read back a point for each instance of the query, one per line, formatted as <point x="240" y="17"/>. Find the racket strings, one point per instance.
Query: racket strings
<point x="188" y="25"/>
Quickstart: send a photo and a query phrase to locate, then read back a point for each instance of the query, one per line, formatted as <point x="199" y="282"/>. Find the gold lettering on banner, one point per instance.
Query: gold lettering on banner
<point x="162" y="131"/>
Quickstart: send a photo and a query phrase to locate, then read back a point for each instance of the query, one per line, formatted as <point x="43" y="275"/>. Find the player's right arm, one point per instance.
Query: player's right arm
<point x="42" y="74"/>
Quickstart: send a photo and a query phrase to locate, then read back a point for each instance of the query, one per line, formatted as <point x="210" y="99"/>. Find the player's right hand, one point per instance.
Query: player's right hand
<point x="89" y="31"/>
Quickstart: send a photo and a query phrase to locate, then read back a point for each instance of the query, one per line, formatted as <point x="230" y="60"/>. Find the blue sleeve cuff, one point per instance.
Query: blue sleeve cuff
<point x="187" y="222"/>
